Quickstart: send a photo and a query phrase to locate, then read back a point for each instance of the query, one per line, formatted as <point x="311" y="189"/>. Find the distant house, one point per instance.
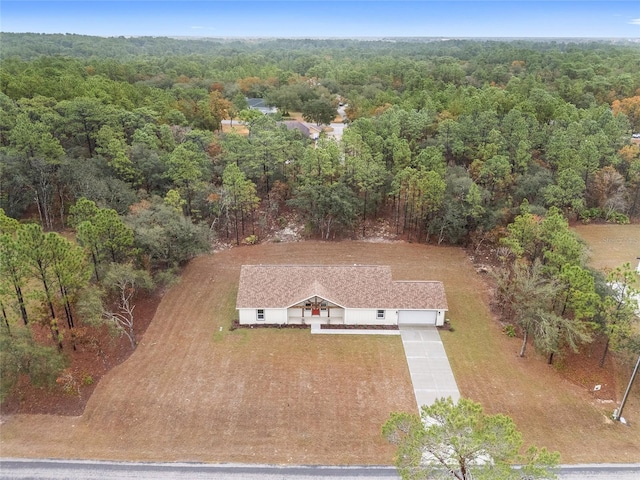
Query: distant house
<point x="259" y="105"/>
<point x="308" y="131"/>
<point x="336" y="294"/>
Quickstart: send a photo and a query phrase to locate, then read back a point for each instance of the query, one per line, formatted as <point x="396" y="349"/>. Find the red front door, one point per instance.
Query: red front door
<point x="315" y="312"/>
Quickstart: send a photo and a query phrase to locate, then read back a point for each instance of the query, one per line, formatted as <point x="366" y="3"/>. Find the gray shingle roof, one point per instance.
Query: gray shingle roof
<point x="350" y="286"/>
<point x="256" y="102"/>
<point x="296" y="125"/>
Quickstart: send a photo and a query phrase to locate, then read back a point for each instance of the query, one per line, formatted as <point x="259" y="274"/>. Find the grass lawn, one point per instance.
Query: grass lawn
<point x="194" y="392"/>
<point x="548" y="409"/>
<point x="238" y="128"/>
<point x="611" y="245"/>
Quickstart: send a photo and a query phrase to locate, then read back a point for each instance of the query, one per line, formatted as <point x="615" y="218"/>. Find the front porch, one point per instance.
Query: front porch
<point x="314" y="320"/>
<point x="315" y="311"/>
<point x="330" y="316"/>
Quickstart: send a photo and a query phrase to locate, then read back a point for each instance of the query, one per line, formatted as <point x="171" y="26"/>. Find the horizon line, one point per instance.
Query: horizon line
<point x="318" y="37"/>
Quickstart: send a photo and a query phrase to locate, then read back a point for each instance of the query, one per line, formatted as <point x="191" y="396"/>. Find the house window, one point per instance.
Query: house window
<point x="380" y="314"/>
<point x="261" y="314"/>
<point x="323" y="306"/>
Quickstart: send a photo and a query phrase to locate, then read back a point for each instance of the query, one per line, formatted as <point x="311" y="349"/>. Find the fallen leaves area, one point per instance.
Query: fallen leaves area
<point x="96" y="353"/>
<point x="195" y="391"/>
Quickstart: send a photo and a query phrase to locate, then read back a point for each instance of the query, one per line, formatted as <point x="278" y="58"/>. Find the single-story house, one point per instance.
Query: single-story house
<point x="336" y="294"/>
<point x="307" y="130"/>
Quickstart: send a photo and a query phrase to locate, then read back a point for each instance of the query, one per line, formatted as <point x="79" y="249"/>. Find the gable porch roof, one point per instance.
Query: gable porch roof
<point x="316" y="290"/>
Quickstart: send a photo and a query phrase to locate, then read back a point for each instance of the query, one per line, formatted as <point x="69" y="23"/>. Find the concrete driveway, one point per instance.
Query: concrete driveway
<point x="429" y="367"/>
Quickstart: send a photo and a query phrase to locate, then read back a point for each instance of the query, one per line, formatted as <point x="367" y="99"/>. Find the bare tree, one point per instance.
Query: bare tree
<point x="124" y="281"/>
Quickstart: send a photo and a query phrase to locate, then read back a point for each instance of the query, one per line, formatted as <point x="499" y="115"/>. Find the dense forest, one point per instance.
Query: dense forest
<point x="119" y="145"/>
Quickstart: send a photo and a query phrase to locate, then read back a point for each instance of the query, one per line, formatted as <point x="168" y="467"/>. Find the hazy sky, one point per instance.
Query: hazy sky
<point x="325" y="18"/>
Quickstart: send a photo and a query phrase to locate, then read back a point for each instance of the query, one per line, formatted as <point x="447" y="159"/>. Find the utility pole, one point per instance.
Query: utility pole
<point x="617" y="414"/>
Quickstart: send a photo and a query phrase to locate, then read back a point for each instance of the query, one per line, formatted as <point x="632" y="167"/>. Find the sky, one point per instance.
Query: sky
<point x="326" y="18"/>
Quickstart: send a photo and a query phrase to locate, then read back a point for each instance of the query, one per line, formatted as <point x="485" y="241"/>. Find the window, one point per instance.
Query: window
<point x="260" y="314"/>
<point x="380" y="315"/>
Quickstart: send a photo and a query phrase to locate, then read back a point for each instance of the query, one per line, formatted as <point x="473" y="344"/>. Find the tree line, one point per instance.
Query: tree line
<point x="458" y="142"/>
<point x="553" y="127"/>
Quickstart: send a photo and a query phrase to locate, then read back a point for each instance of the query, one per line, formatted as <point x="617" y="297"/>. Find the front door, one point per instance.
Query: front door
<point x="314" y="307"/>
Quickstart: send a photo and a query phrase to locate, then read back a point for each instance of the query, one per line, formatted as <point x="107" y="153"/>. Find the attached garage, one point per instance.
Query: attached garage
<point x="417" y="317"/>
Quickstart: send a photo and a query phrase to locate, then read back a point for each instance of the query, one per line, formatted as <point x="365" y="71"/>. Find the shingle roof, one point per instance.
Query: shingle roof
<point x="256" y="102"/>
<point x="296" y="125"/>
<point x="260" y="105"/>
<point x="351" y="286"/>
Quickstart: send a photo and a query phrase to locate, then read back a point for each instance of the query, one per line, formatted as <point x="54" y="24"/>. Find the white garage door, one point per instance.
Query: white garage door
<point x="417" y="317"/>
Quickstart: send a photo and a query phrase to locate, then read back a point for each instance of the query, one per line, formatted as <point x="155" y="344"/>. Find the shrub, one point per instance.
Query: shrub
<point x="509" y="331"/>
<point x="166" y="278"/>
<point x="251" y="240"/>
<point x="589" y="214"/>
<point x="619" y="218"/>
<point x="21" y="355"/>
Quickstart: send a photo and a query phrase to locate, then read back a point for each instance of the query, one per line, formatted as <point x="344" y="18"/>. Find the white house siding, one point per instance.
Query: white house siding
<point x="275" y="315"/>
<point x="353" y="316"/>
<point x="337" y="315"/>
<point x="365" y="316"/>
<point x="248" y="316"/>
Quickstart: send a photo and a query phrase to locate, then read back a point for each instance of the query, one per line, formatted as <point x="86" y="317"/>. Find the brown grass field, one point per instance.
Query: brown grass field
<point x="193" y="392"/>
<point x="611" y="245"/>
